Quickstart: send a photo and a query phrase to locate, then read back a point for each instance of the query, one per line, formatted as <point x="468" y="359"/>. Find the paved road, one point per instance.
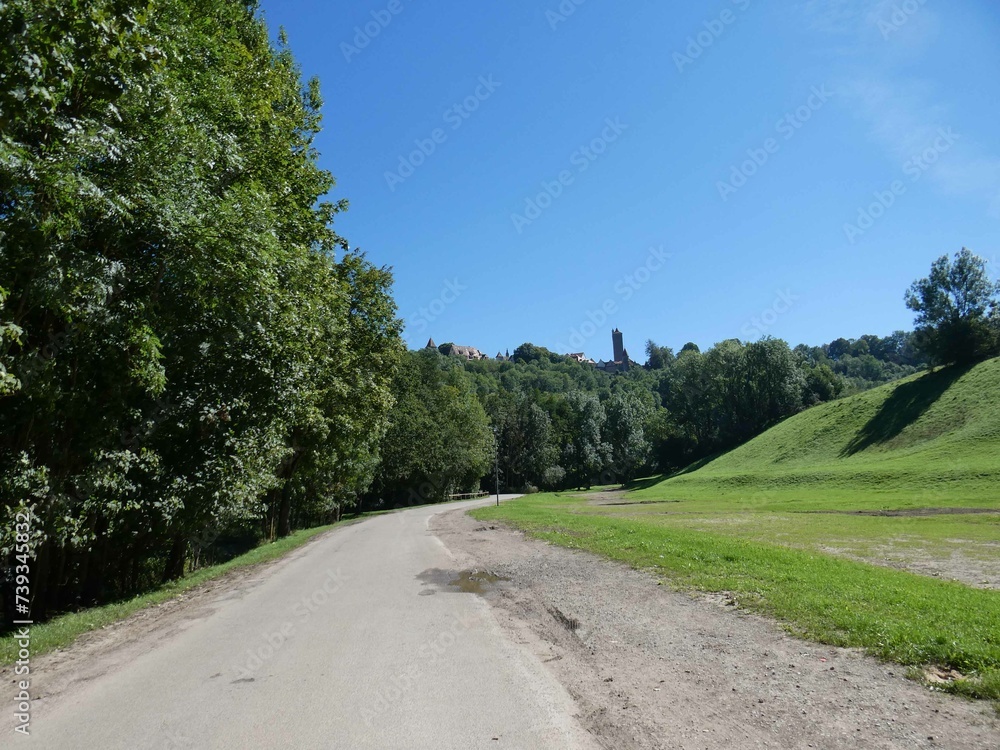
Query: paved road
<point x="351" y="643"/>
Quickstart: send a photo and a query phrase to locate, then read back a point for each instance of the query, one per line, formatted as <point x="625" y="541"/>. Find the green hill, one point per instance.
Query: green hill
<point x="929" y="440"/>
<point x="791" y="524"/>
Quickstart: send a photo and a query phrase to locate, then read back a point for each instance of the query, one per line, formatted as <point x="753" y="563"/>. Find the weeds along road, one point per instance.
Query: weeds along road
<point x="333" y="647"/>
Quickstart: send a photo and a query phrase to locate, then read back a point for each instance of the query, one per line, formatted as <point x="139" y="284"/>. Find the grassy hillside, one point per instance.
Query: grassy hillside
<point x="929" y="439"/>
<point x="873" y="521"/>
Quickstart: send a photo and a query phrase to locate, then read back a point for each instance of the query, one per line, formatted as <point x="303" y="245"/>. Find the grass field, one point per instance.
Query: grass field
<point x="906" y="476"/>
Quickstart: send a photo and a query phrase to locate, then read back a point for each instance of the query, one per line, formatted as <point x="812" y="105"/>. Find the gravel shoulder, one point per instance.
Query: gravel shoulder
<point x="651" y="667"/>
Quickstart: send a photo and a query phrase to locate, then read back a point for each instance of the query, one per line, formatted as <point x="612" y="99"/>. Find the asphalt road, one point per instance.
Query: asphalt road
<point x="357" y="641"/>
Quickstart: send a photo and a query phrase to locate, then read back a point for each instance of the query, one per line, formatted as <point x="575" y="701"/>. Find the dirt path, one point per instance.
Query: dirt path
<point x="654" y="668"/>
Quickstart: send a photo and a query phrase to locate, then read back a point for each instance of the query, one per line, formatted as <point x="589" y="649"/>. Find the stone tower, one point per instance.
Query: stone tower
<point x="619" y="346"/>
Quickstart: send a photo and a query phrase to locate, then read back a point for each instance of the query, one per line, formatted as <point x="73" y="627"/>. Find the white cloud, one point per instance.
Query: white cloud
<point x="904" y="114"/>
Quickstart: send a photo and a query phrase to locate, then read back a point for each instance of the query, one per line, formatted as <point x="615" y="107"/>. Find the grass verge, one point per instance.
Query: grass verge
<point x="61" y="631"/>
<point x="892" y="614"/>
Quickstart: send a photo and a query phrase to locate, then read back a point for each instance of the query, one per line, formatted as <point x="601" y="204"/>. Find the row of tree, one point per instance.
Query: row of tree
<point x="191" y="359"/>
<point x="557" y="423"/>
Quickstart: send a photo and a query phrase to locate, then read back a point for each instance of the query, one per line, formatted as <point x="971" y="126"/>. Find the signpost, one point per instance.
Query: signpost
<point x="496" y="460"/>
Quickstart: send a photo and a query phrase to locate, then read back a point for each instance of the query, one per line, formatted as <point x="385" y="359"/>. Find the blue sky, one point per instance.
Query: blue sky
<point x="547" y="171"/>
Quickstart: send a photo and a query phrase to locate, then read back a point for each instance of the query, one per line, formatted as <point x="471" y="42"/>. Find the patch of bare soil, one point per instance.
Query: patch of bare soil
<point x="606" y="497"/>
<point x="913" y="512"/>
<point x="616" y="497"/>
<point x="980" y="571"/>
<point x="651" y="667"/>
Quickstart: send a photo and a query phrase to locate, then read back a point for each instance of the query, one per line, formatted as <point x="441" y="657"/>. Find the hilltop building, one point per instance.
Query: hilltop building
<point x="454" y="350"/>
<point x="621" y="362"/>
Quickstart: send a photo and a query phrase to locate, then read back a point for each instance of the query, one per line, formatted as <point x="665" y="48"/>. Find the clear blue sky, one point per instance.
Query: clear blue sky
<point x="697" y="90"/>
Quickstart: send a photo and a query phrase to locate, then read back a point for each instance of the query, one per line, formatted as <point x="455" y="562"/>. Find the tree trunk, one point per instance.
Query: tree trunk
<point x="285" y="511"/>
<point x="174" y="568"/>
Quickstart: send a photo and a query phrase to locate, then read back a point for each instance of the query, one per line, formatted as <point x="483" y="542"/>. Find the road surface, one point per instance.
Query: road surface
<point x="355" y="641"/>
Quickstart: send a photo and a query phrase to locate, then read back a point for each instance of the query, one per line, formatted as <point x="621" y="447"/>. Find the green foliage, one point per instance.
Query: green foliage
<point x="584" y="451"/>
<point x="197" y="350"/>
<point x="625" y="433"/>
<point x="438" y="441"/>
<point x="658" y="357"/>
<point x="860" y="364"/>
<point x="932" y="439"/>
<point x="524" y="433"/>
<point x="958" y="310"/>
<point x="728" y="394"/>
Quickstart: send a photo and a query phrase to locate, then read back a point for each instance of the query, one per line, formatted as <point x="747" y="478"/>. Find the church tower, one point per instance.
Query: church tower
<point x="619" y="346"/>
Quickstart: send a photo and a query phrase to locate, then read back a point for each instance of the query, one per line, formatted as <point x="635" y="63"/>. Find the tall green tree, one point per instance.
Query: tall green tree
<point x="958" y="320"/>
<point x="585" y="453"/>
<point x="627" y="415"/>
<point x="439" y="440"/>
<point x="190" y="338"/>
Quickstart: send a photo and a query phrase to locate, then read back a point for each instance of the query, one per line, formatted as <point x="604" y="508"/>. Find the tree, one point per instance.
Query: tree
<point x="195" y="349"/>
<point x="957" y="310"/>
<point x="438" y="441"/>
<point x="658" y="357"/>
<point x="584" y="451"/>
<point x="625" y="433"/>
<point x="525" y="434"/>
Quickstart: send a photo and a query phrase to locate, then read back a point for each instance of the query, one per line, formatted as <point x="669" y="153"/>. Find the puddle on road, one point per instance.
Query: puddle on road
<point x="473" y="581"/>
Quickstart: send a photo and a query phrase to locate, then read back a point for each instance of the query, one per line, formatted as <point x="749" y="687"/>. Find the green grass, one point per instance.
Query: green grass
<point x="774" y="523"/>
<point x="928" y="440"/>
<point x="895" y="615"/>
<point x="63" y="630"/>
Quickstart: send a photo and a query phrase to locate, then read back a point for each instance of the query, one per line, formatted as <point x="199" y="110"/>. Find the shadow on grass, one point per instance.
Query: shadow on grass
<point x="906" y="404"/>
<point x="647" y="482"/>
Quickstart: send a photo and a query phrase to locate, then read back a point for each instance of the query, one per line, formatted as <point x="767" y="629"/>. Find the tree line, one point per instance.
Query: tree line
<point x="553" y="423"/>
<point x="191" y="359"/>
